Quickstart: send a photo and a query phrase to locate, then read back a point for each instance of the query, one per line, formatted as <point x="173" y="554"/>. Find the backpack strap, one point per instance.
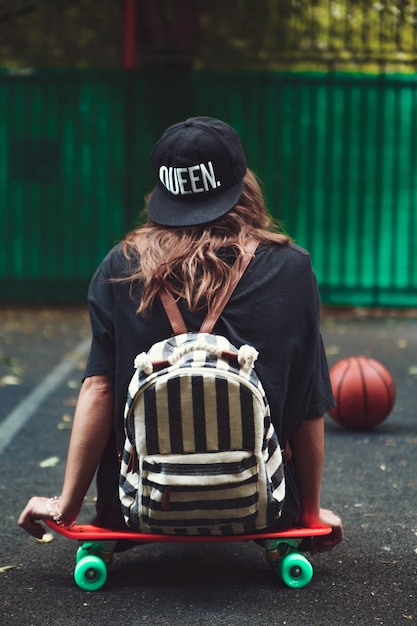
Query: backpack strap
<point x="174" y="314"/>
<point x="238" y="270"/>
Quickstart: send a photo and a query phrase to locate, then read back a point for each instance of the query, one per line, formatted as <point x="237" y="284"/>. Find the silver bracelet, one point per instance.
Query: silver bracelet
<point x="52" y="506"/>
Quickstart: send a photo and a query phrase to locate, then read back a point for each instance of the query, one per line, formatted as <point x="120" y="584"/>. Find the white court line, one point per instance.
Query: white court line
<point x="25" y="409"/>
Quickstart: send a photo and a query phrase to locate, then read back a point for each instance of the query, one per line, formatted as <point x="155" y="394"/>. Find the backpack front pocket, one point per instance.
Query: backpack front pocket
<point x="197" y="493"/>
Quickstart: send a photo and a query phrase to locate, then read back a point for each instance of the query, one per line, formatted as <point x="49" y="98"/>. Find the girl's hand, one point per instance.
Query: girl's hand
<point x="327" y="542"/>
<point x="35" y="510"/>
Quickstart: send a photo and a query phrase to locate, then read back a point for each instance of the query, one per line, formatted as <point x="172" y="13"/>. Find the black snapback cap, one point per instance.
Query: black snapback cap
<point x="199" y="165"/>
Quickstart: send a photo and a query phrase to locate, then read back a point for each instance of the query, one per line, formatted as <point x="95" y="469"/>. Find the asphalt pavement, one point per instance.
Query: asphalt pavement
<point x="370" y="479"/>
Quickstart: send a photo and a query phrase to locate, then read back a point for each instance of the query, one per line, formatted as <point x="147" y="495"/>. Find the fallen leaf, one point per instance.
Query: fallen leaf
<point x="47" y="538"/>
<point x="333" y="350"/>
<point x="6" y="568"/>
<point x="10" y="380"/>
<point x="412" y="370"/>
<point x="65" y="423"/>
<point x="52" y="461"/>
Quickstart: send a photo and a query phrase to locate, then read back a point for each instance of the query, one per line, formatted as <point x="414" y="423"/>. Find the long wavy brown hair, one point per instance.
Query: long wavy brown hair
<point x="186" y="260"/>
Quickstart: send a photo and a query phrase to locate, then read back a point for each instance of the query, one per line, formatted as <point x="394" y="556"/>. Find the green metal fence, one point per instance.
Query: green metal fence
<point x="337" y="154"/>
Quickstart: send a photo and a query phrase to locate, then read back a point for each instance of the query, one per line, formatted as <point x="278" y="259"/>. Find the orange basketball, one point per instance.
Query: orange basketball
<point x="364" y="391"/>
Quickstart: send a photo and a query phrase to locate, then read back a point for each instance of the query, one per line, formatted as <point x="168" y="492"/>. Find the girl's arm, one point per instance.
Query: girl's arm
<point x="93" y="422"/>
<point x="307" y="447"/>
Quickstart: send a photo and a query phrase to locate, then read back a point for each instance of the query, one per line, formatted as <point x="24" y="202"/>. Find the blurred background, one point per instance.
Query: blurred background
<point x="323" y="94"/>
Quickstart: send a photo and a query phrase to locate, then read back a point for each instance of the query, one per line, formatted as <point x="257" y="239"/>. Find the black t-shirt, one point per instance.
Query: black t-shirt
<point x="275" y="308"/>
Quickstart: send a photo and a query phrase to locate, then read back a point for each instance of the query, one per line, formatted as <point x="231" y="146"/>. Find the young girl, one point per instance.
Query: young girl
<point x="205" y="207"/>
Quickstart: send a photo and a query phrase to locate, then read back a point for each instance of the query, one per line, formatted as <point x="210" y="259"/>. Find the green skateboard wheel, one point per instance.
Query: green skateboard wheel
<point x="90" y="573"/>
<point x="295" y="570"/>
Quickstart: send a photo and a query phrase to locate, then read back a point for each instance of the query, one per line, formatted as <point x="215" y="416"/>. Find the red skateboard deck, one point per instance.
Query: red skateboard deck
<point x="90" y="532"/>
<point x="97" y="545"/>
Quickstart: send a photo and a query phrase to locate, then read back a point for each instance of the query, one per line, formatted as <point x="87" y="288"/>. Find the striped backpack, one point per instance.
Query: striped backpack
<point x="201" y="455"/>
